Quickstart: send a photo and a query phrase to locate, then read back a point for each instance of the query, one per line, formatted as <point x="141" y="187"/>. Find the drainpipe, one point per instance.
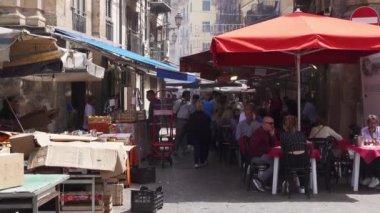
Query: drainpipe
<point x="121" y="22"/>
<point x="147" y="22"/>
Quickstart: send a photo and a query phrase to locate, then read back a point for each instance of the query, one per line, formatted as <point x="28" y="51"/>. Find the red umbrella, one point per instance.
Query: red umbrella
<point x="295" y="39"/>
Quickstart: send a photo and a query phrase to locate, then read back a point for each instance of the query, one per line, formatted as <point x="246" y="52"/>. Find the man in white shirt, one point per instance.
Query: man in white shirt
<point x="89" y="110"/>
<point x="182" y="109"/>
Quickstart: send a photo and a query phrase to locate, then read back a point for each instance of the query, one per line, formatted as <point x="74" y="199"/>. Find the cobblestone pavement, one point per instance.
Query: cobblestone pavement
<point x="218" y="188"/>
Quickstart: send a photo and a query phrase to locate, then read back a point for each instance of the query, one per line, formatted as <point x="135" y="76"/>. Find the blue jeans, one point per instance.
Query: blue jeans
<point x="200" y="150"/>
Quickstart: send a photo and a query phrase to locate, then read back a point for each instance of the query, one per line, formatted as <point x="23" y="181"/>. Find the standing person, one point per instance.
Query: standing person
<point x="309" y="113"/>
<point x="275" y="109"/>
<point x="182" y="111"/>
<point x="263" y="139"/>
<point x="194" y="99"/>
<point x="371" y="171"/>
<point x="154" y="103"/>
<point x="199" y="134"/>
<point x="208" y="106"/>
<point x="89" y="110"/>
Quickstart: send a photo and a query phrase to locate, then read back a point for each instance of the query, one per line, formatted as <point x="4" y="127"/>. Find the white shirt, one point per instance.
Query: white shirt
<point x="89" y="110"/>
<point x="324" y="132"/>
<point x="367" y="136"/>
<point x="242" y="116"/>
<point x="182" y="108"/>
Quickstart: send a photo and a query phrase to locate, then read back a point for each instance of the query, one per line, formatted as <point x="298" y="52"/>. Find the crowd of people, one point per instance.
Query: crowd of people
<point x="198" y="120"/>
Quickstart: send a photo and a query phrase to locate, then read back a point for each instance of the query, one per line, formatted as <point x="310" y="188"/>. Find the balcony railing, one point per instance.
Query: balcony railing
<point x="109" y="30"/>
<point x="217" y="29"/>
<point x="159" y="50"/>
<point x="79" y="22"/>
<point x="160" y="6"/>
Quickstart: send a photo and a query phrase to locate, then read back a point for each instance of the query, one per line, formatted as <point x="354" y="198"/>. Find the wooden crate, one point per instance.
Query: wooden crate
<point x="127" y="116"/>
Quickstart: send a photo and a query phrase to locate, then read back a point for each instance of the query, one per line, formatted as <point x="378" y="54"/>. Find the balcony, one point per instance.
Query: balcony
<point x="109" y="30"/>
<point x="160" y="6"/>
<point x="79" y="21"/>
<point x="159" y="50"/>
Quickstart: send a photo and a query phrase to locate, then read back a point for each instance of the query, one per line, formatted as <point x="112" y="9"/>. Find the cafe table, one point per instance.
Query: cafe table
<point x="369" y="153"/>
<point x="37" y="190"/>
<point x="276" y="153"/>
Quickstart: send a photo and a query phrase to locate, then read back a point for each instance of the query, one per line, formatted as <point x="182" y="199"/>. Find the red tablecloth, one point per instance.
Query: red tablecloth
<point x="277" y="152"/>
<point x="368" y="153"/>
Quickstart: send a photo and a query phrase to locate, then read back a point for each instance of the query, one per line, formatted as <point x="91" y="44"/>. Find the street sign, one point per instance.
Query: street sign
<point x="365" y="14"/>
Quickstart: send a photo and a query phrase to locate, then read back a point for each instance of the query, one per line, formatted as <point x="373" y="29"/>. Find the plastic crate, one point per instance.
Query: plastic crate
<point x="143" y="175"/>
<point x="145" y="200"/>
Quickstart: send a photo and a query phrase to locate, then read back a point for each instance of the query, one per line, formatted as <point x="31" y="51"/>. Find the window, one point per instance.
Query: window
<point x="109" y="23"/>
<point x="206" y="26"/>
<point x="206" y="5"/>
<point x="205" y="46"/>
<point x="109" y="8"/>
<point x="79" y="6"/>
<point x="78" y="15"/>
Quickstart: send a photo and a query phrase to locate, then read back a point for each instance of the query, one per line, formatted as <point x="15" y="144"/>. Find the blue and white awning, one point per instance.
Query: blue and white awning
<point x="107" y="46"/>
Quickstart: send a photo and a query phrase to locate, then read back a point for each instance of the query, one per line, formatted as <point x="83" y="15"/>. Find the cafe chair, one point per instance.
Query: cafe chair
<point x="325" y="166"/>
<point x="296" y="167"/>
<point x="227" y="146"/>
<point x="245" y="156"/>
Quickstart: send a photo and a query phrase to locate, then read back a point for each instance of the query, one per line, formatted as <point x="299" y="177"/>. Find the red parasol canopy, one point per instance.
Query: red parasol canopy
<point x="297" y="38"/>
<point x="322" y="39"/>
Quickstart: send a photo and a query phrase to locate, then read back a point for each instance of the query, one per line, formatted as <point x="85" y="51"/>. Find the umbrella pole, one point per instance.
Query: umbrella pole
<point x="298" y="71"/>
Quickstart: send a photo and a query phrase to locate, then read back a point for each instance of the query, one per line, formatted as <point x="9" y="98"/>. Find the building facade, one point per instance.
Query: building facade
<point x="133" y="25"/>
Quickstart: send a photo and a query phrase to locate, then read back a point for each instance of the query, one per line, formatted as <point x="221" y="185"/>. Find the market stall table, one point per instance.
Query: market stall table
<point x="37" y="190"/>
<point x="276" y="153"/>
<point x="368" y="153"/>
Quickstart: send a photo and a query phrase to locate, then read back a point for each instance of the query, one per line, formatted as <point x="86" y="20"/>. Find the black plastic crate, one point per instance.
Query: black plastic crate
<point x="143" y="175"/>
<point x="145" y="200"/>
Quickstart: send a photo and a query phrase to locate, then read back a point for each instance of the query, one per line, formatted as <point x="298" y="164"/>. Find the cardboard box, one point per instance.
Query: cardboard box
<point x="109" y="158"/>
<point x="23" y="143"/>
<point x="116" y="192"/>
<point x="11" y="170"/>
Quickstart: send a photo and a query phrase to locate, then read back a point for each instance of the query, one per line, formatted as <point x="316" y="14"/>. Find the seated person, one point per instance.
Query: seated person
<point x="263" y="139"/>
<point x="321" y="130"/>
<point x="371" y="171"/>
<point x="247" y="126"/>
<point x="294" y="143"/>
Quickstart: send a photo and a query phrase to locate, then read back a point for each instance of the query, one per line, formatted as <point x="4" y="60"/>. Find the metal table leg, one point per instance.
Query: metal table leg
<point x="355" y="172"/>
<point x="275" y="175"/>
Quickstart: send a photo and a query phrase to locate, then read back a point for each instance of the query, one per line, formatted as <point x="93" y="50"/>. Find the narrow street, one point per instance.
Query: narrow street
<point x="218" y="188"/>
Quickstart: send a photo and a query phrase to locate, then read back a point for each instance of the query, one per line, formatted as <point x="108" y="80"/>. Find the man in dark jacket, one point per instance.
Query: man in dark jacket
<point x="155" y="103"/>
<point x="263" y="139"/>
